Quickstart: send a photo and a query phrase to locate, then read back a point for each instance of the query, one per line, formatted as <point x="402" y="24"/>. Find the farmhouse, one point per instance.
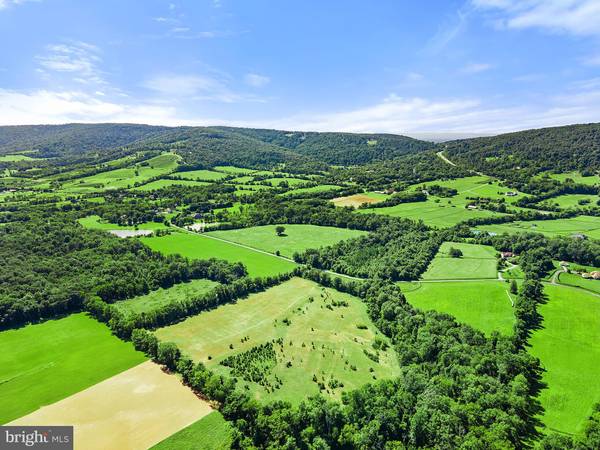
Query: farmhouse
<point x="579" y="236"/>
<point x="511" y="194"/>
<point x="505" y="255"/>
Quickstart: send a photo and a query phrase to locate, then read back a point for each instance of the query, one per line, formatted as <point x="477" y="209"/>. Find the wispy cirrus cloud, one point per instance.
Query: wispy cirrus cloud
<point x="185" y="87"/>
<point x="577" y="17"/>
<point x="78" y="59"/>
<point x="256" y="80"/>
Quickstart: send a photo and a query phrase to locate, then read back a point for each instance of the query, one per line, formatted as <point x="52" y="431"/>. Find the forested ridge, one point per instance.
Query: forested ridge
<point x="520" y="155"/>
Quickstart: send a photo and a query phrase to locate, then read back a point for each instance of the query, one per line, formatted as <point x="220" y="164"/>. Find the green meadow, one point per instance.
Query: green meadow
<point x="577" y="178"/>
<point x="296" y="238"/>
<point x="233" y="170"/>
<point x="201" y="175"/>
<point x="290" y="181"/>
<point x="126" y="177"/>
<point x="478" y="261"/>
<point x="15" y="158"/>
<point x="485" y="305"/>
<point x="161" y="297"/>
<point x="43" y="363"/>
<point x="212" y="432"/>
<point x="572" y="201"/>
<point x="326" y="337"/>
<point x="319" y="188"/>
<point x="159" y="184"/>
<point x="568" y="345"/>
<point x="202" y="247"/>
<point x="588" y="225"/>
<point x="573" y="279"/>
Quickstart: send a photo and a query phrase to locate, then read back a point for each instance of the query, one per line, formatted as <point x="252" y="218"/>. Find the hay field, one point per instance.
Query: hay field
<point x="133" y="410"/>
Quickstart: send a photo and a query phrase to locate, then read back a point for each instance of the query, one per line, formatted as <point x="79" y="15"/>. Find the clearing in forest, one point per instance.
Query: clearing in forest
<point x="43" y="363"/>
<point x="296" y="238"/>
<point x="568" y="345"/>
<point x="485" y="305"/>
<point x="212" y="432"/>
<point x="97" y="223"/>
<point x="358" y="199"/>
<point x="198" y="246"/>
<point x="289" y="342"/>
<point x="162" y="297"/>
<point x="477" y="262"/>
<point x="163" y="183"/>
<point x="134" y="410"/>
<point x="201" y="175"/>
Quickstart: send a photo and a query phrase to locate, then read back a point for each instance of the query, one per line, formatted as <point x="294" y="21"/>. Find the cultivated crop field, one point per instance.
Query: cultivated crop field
<point x="358" y="199"/>
<point x="317" y="339"/>
<point x="296" y="238"/>
<point x="485" y="305"/>
<point x="43" y="363"/>
<point x="161" y="297"/>
<point x="568" y="345"/>
<point x="134" y="409"/>
<point x="203" y="247"/>
<point x="478" y="261"/>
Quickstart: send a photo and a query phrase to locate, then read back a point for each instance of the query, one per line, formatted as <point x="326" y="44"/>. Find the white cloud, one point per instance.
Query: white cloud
<point x="6" y="3"/>
<point x="476" y="68"/>
<point x="578" y="17"/>
<point x="78" y="58"/>
<point x="48" y="107"/>
<point x="174" y="87"/>
<point x="256" y="80"/>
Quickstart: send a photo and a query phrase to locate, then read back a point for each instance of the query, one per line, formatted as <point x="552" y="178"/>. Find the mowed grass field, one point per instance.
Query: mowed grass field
<point x="202" y="247"/>
<point x="97" y="223"/>
<point x="568" y="345"/>
<point x="588" y="225"/>
<point x="358" y="199"/>
<point x="43" y="363"/>
<point x="477" y="262"/>
<point x="132" y="410"/>
<point x="317" y="340"/>
<point x="161" y="297"/>
<point x="212" y="432"/>
<point x="15" y="158"/>
<point x="572" y="279"/>
<point x="126" y="177"/>
<point x="319" y="188"/>
<point x="484" y="305"/>
<point x="296" y="238"/>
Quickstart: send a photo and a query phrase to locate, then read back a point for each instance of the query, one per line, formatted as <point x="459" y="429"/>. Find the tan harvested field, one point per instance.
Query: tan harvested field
<point x="358" y="199"/>
<point x="132" y="410"/>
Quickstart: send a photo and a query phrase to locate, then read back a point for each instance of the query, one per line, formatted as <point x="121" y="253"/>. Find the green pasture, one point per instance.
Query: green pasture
<point x="202" y="247"/>
<point x="568" y="345"/>
<point x="290" y="181"/>
<point x="43" y="363"/>
<point x="212" y="432"/>
<point x="319" y="339"/>
<point x="201" y="175"/>
<point x="159" y="184"/>
<point x="577" y="178"/>
<point x="572" y="201"/>
<point x="15" y="158"/>
<point x="161" y="297"/>
<point x="234" y="170"/>
<point x="478" y="261"/>
<point x="319" y="188"/>
<point x="126" y="177"/>
<point x="296" y="238"/>
<point x="587" y="225"/>
<point x="485" y="305"/>
<point x="573" y="279"/>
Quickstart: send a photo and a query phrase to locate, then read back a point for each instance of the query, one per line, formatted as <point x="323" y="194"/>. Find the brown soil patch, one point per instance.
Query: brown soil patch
<point x="354" y="200"/>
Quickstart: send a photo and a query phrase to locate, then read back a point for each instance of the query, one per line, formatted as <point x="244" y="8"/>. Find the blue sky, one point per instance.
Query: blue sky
<point x="412" y="67"/>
